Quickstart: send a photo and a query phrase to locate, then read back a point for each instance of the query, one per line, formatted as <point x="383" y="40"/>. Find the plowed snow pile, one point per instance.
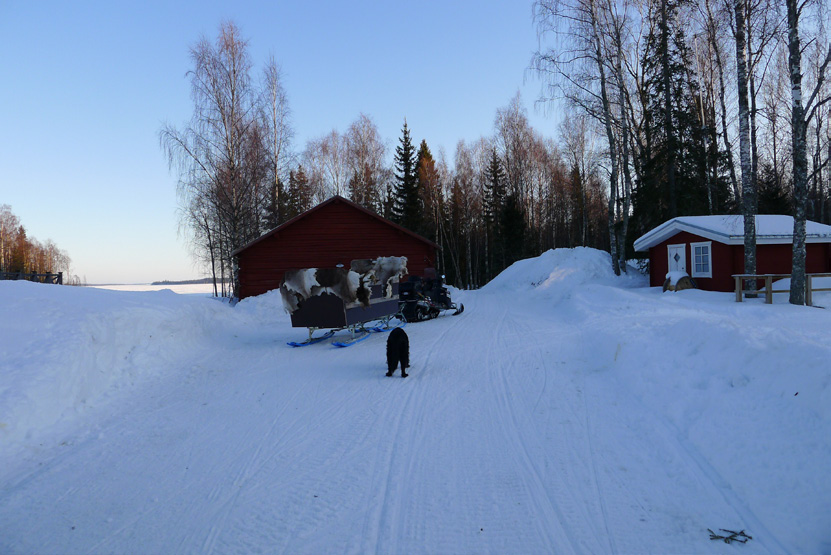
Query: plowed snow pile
<point x="567" y="410"/>
<point x="558" y="272"/>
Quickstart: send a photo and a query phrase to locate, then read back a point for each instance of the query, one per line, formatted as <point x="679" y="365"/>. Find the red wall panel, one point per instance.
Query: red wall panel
<point x="336" y="233"/>
<point x="728" y="260"/>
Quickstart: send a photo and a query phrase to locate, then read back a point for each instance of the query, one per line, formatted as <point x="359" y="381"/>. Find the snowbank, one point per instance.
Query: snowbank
<point x="557" y="273"/>
<point x="65" y="349"/>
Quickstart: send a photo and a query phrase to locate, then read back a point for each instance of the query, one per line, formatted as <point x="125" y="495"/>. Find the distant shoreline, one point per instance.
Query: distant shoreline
<point x="203" y="281"/>
<point x="189" y="282"/>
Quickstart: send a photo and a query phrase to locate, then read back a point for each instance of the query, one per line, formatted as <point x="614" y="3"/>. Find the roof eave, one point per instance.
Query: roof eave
<point x="672" y="227"/>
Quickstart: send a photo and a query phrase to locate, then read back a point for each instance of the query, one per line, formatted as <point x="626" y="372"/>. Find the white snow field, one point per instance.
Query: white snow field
<point x="565" y="411"/>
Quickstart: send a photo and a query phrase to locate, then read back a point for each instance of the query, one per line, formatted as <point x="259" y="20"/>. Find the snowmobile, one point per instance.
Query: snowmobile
<point x="424" y="298"/>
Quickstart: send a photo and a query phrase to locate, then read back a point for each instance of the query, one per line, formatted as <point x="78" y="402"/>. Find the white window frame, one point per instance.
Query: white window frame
<point x="709" y="273"/>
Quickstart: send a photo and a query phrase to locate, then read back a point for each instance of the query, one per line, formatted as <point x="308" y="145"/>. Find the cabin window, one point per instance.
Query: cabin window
<point x="702" y="264"/>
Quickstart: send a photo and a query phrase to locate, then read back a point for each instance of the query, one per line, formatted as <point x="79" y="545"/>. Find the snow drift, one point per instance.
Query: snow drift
<point x="65" y="349"/>
<point x="557" y="273"/>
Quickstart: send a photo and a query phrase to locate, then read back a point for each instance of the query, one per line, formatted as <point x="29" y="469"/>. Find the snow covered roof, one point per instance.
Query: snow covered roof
<point x="770" y="229"/>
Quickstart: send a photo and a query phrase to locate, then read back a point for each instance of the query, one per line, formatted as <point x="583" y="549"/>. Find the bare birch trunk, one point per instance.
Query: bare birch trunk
<point x="728" y="147"/>
<point x="749" y="201"/>
<point x="668" y="131"/>
<point x="624" y="131"/>
<point x="800" y="156"/>
<point x="607" y="124"/>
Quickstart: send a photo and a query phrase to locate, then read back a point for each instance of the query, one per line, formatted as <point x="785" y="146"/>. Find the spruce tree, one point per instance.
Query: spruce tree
<point x="406" y="208"/>
<point x="290" y="204"/>
<point x="494" y="201"/>
<point x="304" y="194"/>
<point x="676" y="161"/>
<point x="275" y="206"/>
<point x="423" y="154"/>
<point x="514" y="230"/>
<point x="773" y="194"/>
<point x="494" y="189"/>
<point x="297" y="197"/>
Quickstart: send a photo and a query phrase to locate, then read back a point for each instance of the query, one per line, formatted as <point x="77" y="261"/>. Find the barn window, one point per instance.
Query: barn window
<point x="701" y="260"/>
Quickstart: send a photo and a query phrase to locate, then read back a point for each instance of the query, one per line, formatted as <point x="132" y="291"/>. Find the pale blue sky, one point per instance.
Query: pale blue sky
<point x="86" y="87"/>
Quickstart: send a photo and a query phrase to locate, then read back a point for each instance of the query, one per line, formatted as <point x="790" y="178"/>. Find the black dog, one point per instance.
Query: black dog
<point x="398" y="350"/>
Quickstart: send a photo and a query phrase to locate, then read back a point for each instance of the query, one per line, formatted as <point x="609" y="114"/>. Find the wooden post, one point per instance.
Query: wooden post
<point x="768" y="289"/>
<point x="808" y="289"/>
<point x="738" y="289"/>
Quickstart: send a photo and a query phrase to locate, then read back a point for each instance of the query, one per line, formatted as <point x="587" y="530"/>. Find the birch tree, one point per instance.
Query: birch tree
<point x="802" y="112"/>
<point x="365" y="159"/>
<point x="578" y="139"/>
<point x="714" y="29"/>
<point x="749" y="200"/>
<point x="220" y="154"/>
<point x="276" y="117"/>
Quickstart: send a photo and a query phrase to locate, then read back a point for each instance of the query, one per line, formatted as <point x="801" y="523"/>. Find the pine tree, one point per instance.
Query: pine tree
<point x="406" y="208"/>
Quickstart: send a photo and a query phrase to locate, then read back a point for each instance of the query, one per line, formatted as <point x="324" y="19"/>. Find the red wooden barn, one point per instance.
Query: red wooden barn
<point x="710" y="249"/>
<point x="334" y="232"/>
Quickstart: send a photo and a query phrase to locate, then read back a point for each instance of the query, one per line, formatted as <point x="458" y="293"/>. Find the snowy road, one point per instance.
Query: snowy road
<point x="522" y="429"/>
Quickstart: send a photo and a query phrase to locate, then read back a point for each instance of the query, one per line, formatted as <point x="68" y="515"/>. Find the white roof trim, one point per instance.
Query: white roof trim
<point x="769" y="230"/>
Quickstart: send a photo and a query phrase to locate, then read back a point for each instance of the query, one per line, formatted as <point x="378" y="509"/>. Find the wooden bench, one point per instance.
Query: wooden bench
<point x="769" y="290"/>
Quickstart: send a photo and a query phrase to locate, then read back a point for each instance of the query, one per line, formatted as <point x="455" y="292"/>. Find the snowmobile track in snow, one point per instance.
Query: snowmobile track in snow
<point x="393" y="464"/>
<point x="554" y="507"/>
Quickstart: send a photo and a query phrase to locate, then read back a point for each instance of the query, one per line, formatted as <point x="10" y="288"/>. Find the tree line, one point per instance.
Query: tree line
<point x="502" y="198"/>
<point x="673" y="107"/>
<point x="20" y="253"/>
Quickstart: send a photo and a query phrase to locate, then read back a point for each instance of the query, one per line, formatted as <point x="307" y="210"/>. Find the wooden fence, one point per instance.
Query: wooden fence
<point x="769" y="283"/>
<point x="39" y="278"/>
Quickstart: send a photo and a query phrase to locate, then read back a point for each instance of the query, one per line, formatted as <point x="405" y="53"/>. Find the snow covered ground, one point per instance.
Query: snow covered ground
<point x="566" y="411"/>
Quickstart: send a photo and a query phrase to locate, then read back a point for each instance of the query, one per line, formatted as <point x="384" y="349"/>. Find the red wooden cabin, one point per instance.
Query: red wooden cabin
<point x="711" y="248"/>
<point x="334" y="232"/>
